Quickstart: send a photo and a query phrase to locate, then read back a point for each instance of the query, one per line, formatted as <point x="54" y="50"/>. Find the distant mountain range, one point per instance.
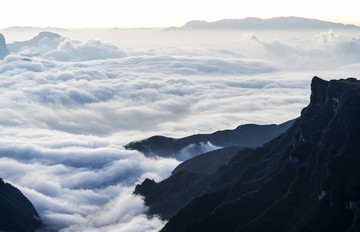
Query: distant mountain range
<point x="307" y="179"/>
<point x="279" y="23"/>
<point x="33" y="29"/>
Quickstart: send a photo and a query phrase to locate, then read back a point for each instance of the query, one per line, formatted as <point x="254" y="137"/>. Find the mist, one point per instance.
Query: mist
<point x="70" y="104"/>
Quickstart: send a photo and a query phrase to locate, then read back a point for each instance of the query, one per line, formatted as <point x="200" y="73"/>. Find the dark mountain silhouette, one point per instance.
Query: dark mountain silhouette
<point x="44" y="41"/>
<point x="3" y="48"/>
<point x="17" y="214"/>
<point x="307" y="179"/>
<point x="279" y="23"/>
<point x="249" y="135"/>
<point x="177" y="190"/>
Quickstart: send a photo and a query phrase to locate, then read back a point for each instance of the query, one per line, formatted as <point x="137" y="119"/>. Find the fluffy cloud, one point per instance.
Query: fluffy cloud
<point x="69" y="50"/>
<point x="199" y="66"/>
<point x="65" y="115"/>
<point x="108" y="96"/>
<point x="76" y="188"/>
<point x="321" y="51"/>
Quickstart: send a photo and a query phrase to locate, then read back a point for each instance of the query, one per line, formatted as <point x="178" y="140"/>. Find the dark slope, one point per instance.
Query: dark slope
<point x="249" y="135"/>
<point x="278" y="23"/>
<point x="209" y="162"/>
<point x="178" y="190"/>
<point x="17" y="214"/>
<point x="307" y="179"/>
<point x="3" y="48"/>
<point x="187" y="182"/>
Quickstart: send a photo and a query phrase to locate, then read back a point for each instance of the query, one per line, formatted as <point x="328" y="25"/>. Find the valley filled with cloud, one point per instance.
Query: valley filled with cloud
<point x="69" y="105"/>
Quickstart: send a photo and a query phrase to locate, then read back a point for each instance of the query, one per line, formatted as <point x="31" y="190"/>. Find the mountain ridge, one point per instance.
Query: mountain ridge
<point x="247" y="135"/>
<point x="277" y="23"/>
<point x="30" y="28"/>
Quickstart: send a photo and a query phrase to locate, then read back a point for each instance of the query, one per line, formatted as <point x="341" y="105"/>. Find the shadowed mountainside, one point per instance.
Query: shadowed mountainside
<point x="166" y="197"/>
<point x="189" y="179"/>
<point x="17" y="214"/>
<point x="307" y="179"/>
<point x="209" y="162"/>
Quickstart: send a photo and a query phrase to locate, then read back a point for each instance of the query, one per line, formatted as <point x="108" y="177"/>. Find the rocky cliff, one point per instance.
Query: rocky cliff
<point x="307" y="179"/>
<point x="17" y="214"/>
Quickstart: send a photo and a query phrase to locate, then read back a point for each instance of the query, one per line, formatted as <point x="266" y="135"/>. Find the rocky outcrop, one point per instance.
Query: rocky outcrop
<point x="17" y="214"/>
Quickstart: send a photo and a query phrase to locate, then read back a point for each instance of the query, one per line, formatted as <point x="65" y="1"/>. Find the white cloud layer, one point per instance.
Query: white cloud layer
<point x="69" y="50"/>
<point x="66" y="113"/>
<point x="79" y="189"/>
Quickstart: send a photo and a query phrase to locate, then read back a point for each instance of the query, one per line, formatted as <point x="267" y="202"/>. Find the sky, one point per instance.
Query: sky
<point x="164" y="13"/>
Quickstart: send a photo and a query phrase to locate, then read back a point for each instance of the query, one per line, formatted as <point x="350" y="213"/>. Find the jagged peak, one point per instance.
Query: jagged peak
<point x="322" y="90"/>
<point x="318" y="84"/>
<point x="326" y="100"/>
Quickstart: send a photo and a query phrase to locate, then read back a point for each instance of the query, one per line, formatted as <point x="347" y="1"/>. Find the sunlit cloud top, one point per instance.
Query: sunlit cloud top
<point x="163" y="13"/>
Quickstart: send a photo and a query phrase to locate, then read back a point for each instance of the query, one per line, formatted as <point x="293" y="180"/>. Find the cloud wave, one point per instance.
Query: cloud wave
<point x="76" y="188"/>
<point x="70" y="50"/>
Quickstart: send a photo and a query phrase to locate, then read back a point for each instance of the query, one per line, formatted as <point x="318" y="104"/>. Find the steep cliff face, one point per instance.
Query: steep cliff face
<point x="307" y="179"/>
<point x="17" y="214"/>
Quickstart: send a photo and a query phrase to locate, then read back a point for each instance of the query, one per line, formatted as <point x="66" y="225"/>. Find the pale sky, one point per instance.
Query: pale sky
<point x="163" y="13"/>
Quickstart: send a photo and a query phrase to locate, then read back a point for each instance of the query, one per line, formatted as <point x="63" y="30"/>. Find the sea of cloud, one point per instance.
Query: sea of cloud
<point x="81" y="185"/>
<point x="67" y="112"/>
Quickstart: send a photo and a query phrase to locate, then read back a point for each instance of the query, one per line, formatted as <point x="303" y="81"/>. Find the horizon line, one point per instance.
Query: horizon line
<point x="350" y="23"/>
